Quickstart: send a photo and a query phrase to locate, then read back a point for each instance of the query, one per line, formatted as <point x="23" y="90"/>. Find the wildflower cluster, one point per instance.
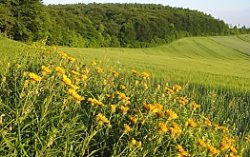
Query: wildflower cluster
<point x="95" y="110"/>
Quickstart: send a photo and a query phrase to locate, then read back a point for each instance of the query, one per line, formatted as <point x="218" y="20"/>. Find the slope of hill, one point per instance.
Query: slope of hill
<point x="10" y="47"/>
<point x="239" y="43"/>
<point x="212" y="61"/>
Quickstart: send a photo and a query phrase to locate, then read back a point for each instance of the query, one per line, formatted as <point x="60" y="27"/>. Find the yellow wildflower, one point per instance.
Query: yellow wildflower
<point x="73" y="87"/>
<point x="158" y="87"/>
<point x="169" y="91"/>
<point x="219" y="127"/>
<point x="75" y="95"/>
<point x="133" y="143"/>
<point x="212" y="150"/>
<point x="154" y="108"/>
<point x="177" y="88"/>
<point x="207" y="121"/>
<point x="145" y="75"/>
<point x="171" y="114"/>
<point x="77" y="81"/>
<point x="115" y="73"/>
<point x="1" y="119"/>
<point x="224" y="145"/>
<point x="247" y="138"/>
<point x="232" y="155"/>
<point x="147" y="106"/>
<point x="71" y="59"/>
<point x="34" y="77"/>
<point x="23" y="94"/>
<point x="183" y="101"/>
<point x="111" y="96"/>
<point x="60" y="70"/>
<point x="104" y="82"/>
<point x="3" y="79"/>
<point x="96" y="102"/>
<point x="133" y="119"/>
<point x="160" y="114"/>
<point x="94" y="63"/>
<point x="191" y="123"/>
<point x="201" y="143"/>
<point x="126" y="102"/>
<point x="175" y="130"/>
<point x="195" y="106"/>
<point x="66" y="80"/>
<point x="99" y="70"/>
<point x="233" y="150"/>
<point x="123" y="87"/>
<point x="127" y="128"/>
<point x="134" y="72"/>
<point x="75" y="72"/>
<point x="181" y="151"/>
<point x="46" y="70"/>
<point x="26" y="83"/>
<point x="122" y="96"/>
<point x="102" y="119"/>
<point x="124" y="109"/>
<point x="63" y="54"/>
<point x="113" y="108"/>
<point x="85" y="71"/>
<point x="162" y="127"/>
<point x="18" y="66"/>
<point x="84" y="77"/>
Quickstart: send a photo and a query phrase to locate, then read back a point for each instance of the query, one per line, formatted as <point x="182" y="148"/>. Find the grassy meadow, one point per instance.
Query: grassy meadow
<point x="211" y="61"/>
<point x="187" y="98"/>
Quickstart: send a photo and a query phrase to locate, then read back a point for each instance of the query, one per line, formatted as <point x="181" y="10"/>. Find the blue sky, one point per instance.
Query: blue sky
<point x="235" y="12"/>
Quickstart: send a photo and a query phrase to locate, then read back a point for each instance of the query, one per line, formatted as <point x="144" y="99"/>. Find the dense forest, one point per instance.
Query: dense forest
<point x="106" y="25"/>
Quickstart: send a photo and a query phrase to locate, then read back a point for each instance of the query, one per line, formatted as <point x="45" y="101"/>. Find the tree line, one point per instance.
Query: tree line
<point x="106" y="25"/>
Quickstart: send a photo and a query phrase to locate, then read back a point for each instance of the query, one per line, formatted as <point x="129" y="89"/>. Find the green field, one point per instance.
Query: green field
<point x="52" y="104"/>
<point x="215" y="70"/>
<point x="211" y="61"/>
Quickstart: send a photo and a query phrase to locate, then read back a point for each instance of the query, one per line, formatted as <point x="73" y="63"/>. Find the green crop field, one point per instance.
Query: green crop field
<point x="187" y="98"/>
<point x="211" y="61"/>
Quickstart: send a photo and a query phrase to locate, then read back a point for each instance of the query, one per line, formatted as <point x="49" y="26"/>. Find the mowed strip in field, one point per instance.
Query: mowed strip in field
<point x="222" y="61"/>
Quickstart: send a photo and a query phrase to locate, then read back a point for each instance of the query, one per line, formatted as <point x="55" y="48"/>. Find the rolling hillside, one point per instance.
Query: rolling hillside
<point x="52" y="101"/>
<point x="212" y="61"/>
